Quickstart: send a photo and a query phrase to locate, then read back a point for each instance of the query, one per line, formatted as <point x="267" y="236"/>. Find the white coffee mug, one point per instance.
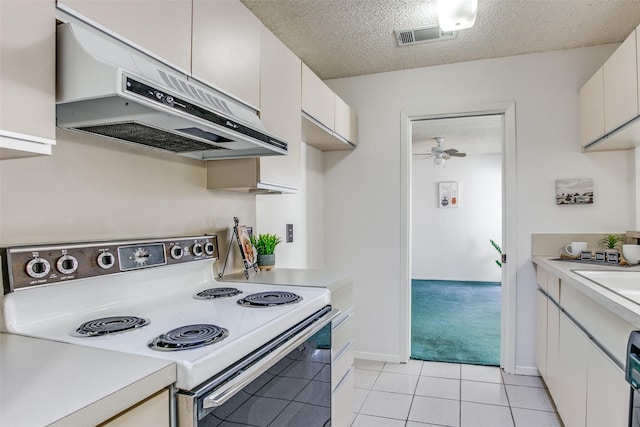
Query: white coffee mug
<point x="631" y="253"/>
<point x="574" y="248"/>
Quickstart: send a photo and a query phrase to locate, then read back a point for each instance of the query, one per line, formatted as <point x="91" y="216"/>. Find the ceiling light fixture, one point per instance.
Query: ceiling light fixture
<point x="438" y="160"/>
<point x="456" y="15"/>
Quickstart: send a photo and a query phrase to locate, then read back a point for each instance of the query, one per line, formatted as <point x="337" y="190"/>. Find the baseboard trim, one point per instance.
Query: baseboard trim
<point x="378" y="357"/>
<point x="527" y="370"/>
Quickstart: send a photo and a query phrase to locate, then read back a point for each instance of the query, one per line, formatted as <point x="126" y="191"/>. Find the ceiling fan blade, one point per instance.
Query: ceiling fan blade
<point x="450" y="151"/>
<point x="457" y="154"/>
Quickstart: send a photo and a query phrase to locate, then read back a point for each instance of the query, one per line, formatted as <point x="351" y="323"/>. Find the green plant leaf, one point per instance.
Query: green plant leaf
<point x="265" y="243"/>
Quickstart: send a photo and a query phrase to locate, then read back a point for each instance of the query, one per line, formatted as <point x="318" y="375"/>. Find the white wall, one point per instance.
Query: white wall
<point x="303" y="210"/>
<point x="93" y="188"/>
<point x="362" y="188"/>
<point x="453" y="243"/>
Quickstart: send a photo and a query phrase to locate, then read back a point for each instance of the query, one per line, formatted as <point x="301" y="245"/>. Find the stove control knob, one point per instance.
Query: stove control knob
<point x="177" y="252"/>
<point x="209" y="248"/>
<point x="67" y="264"/>
<point x="38" y="268"/>
<point x="196" y="249"/>
<point x="106" y="260"/>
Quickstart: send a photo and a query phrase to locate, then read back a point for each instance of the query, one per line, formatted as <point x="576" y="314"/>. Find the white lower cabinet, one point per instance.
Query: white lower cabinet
<point x="572" y="369"/>
<point x="553" y="338"/>
<point x="587" y="386"/>
<point x="607" y="392"/>
<point x="151" y="412"/>
<point x="342" y="382"/>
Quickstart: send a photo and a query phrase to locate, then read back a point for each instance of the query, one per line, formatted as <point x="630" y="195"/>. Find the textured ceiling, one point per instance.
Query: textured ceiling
<point x="472" y="135"/>
<point x="343" y="38"/>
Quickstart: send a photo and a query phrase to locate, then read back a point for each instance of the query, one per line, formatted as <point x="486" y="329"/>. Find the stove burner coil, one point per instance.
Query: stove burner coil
<point x="214" y="293"/>
<point x="188" y="337"/>
<point x="269" y="299"/>
<point x="110" y="325"/>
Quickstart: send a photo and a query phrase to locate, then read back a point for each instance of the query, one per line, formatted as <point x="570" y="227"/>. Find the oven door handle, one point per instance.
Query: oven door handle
<point x="226" y="391"/>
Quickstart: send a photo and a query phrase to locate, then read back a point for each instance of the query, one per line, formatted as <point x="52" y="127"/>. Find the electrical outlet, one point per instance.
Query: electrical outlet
<point x="289" y="233"/>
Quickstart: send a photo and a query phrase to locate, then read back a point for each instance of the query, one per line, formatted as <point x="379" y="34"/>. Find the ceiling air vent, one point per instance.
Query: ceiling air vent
<point x="423" y="35"/>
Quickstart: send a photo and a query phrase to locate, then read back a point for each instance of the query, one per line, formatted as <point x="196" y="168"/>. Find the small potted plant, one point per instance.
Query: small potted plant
<point x="609" y="243"/>
<point x="265" y="245"/>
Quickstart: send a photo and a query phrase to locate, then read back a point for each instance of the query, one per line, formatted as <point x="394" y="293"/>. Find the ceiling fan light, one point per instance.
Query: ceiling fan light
<point x="438" y="161"/>
<point x="456" y="15"/>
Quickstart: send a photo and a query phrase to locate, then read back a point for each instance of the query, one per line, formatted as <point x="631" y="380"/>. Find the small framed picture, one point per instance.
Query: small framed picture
<point x="448" y="194"/>
<point x="246" y="248"/>
<point x="578" y="191"/>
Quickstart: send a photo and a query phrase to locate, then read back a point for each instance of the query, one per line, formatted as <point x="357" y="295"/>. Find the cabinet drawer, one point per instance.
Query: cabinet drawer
<point x="603" y="325"/>
<point x="541" y="278"/>
<point x="341" y="364"/>
<point x="342" y="298"/>
<point x="553" y="287"/>
<point x="341" y="333"/>
<point x="342" y="402"/>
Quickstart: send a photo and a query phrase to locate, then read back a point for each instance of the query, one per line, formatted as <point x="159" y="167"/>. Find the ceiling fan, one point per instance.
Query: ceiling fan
<point x="439" y="154"/>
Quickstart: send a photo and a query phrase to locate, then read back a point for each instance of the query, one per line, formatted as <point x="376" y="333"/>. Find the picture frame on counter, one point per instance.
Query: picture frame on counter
<point x="448" y="194"/>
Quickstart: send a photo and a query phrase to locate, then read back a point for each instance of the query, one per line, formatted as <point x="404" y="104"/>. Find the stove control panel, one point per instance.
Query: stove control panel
<point x="27" y="266"/>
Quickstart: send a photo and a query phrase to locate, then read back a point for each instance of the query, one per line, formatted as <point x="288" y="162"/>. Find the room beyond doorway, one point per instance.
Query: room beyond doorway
<point x="455" y="321"/>
<point x="456" y="211"/>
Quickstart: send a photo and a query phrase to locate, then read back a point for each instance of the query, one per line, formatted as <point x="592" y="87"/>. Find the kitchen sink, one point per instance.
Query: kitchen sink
<point x="624" y="283"/>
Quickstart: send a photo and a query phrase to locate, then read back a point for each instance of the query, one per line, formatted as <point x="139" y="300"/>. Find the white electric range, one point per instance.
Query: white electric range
<point x="165" y="296"/>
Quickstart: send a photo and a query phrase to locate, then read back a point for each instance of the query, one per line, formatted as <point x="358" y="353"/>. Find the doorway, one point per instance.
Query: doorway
<point x="456" y="214"/>
<point x="508" y="236"/>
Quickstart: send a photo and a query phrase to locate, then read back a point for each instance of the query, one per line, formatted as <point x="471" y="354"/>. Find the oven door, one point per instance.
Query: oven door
<point x="285" y="382"/>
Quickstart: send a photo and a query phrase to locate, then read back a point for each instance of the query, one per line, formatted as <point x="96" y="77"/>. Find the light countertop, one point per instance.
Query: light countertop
<point x="51" y="383"/>
<point x="622" y="307"/>
<point x="293" y="277"/>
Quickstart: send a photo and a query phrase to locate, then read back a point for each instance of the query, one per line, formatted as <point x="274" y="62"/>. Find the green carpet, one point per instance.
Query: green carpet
<point x="455" y="321"/>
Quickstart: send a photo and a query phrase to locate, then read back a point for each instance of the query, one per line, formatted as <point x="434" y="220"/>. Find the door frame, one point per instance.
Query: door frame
<point x="509" y="226"/>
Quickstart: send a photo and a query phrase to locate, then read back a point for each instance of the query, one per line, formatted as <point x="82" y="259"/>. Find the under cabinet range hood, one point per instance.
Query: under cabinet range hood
<point x="108" y="88"/>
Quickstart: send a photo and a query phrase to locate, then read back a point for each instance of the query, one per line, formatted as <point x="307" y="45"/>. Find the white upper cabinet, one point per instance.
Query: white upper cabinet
<point x="592" y="109"/>
<point x="226" y="48"/>
<point x="317" y="98"/>
<point x="610" y="101"/>
<point x="27" y="78"/>
<point x="621" y="84"/>
<point x="280" y="109"/>
<point x="328" y="123"/>
<point x="162" y="28"/>
<point x="280" y="113"/>
<point x="346" y="120"/>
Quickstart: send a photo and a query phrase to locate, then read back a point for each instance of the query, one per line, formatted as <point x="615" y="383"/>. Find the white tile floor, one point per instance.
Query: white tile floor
<point x="420" y="394"/>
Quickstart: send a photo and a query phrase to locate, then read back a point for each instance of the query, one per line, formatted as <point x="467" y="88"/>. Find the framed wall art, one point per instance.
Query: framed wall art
<point x="448" y="194"/>
<point x="577" y="191"/>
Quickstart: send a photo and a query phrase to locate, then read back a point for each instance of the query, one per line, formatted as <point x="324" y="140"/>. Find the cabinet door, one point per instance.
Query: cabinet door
<point x="572" y="373"/>
<point x="607" y="392"/>
<point x="541" y="333"/>
<point x="27" y="77"/>
<point x="621" y="85"/>
<point x="161" y="27"/>
<point x="280" y="109"/>
<point x="345" y="120"/>
<point x="553" y="341"/>
<point x="226" y="48"/>
<point x="318" y="100"/>
<point x="592" y="109"/>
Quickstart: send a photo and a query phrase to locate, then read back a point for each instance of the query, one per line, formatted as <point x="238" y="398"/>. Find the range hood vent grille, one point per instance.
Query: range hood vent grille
<point x="151" y="137"/>
<point x="423" y="35"/>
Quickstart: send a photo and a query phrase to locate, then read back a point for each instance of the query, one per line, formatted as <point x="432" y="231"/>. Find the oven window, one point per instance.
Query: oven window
<point x="296" y="391"/>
